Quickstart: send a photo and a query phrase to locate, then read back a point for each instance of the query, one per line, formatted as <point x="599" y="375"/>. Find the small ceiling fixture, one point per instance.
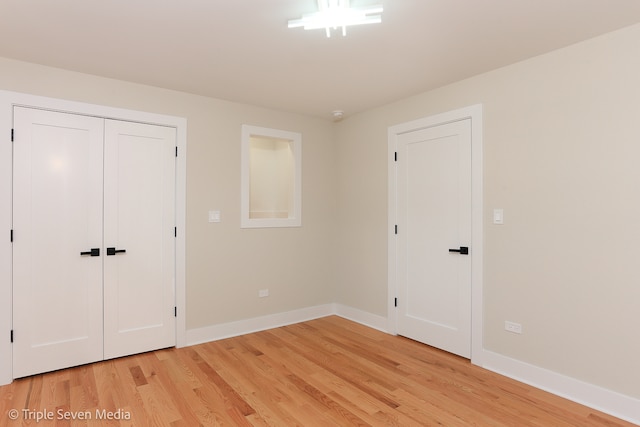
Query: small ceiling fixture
<point x="337" y="13"/>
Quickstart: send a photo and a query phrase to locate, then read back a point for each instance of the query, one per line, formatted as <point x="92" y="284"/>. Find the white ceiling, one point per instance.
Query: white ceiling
<point x="242" y="50"/>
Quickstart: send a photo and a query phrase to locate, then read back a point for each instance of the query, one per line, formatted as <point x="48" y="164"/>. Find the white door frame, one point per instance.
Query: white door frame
<point x="10" y="99"/>
<point x="474" y="113"/>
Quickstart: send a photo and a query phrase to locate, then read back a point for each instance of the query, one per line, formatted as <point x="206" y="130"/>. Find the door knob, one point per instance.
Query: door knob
<point x="92" y="252"/>
<point x="464" y="250"/>
<point x="113" y="251"/>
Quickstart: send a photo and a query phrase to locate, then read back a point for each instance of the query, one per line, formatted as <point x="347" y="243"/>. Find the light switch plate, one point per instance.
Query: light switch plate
<point x="498" y="216"/>
<point x="214" y="216"/>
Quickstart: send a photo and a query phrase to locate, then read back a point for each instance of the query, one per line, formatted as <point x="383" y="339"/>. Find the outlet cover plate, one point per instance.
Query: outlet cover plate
<point x="514" y="327"/>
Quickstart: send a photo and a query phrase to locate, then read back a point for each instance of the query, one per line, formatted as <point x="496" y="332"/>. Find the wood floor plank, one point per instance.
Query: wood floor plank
<point x="324" y="372"/>
<point x="268" y="391"/>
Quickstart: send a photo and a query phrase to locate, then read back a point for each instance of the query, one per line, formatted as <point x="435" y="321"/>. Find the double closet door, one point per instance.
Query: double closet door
<point x="93" y="239"/>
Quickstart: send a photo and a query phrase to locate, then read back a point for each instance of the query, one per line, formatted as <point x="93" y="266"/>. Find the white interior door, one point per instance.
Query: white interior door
<point x="139" y="300"/>
<point x="57" y="215"/>
<point x="434" y="228"/>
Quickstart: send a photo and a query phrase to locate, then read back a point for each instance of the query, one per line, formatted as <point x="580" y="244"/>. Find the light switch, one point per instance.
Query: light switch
<point x="498" y="216"/>
<point x="214" y="216"/>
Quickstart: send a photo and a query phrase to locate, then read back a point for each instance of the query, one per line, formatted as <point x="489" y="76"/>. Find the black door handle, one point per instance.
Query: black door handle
<point x="92" y="252"/>
<point x="113" y="251"/>
<point x="462" y="251"/>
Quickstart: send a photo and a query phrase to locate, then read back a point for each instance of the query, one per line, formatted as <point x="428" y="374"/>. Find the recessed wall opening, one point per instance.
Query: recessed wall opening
<point x="272" y="170"/>
<point x="271" y="178"/>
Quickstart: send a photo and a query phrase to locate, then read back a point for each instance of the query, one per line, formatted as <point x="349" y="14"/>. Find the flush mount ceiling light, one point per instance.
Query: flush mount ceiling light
<point x="335" y="14"/>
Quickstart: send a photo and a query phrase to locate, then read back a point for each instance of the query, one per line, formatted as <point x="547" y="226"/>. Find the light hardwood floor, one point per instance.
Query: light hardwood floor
<point x="324" y="372"/>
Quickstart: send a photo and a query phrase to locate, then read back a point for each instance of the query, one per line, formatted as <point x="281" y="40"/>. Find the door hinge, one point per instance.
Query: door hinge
<point x="11" y="135"/>
<point x="175" y="311"/>
<point x="396" y="231"/>
<point x="175" y="231"/>
<point x="395" y="156"/>
<point x="395" y="302"/>
<point x="176" y="151"/>
<point x="11" y="236"/>
<point x="12" y="335"/>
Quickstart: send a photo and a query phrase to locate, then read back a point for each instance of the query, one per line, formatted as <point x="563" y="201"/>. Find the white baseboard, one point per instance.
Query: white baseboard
<point x="363" y="317"/>
<point x="247" y="326"/>
<point x="601" y="399"/>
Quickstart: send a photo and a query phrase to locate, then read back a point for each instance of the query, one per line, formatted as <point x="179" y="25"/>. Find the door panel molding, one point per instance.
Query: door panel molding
<point x="474" y="113"/>
<point x="10" y="99"/>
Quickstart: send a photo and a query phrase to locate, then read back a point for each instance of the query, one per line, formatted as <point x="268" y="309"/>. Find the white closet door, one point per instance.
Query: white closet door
<point x="139" y="300"/>
<point x="57" y="215"/>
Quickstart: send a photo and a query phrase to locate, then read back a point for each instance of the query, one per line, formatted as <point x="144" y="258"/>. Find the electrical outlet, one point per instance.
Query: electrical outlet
<point x="263" y="293"/>
<point x="514" y="327"/>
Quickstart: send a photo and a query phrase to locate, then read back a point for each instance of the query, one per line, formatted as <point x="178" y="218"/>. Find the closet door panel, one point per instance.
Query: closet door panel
<point x="57" y="215"/>
<point x="139" y="226"/>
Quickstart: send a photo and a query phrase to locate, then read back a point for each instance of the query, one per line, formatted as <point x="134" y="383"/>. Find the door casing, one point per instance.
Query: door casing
<point x="10" y="99"/>
<point x="474" y="113"/>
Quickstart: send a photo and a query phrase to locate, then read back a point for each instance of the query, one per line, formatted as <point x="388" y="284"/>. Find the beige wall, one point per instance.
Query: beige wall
<point x="226" y="266"/>
<point x="561" y="155"/>
<point x="561" y="145"/>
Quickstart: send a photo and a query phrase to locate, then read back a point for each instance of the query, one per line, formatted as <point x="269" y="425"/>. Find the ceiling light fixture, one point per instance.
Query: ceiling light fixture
<point x="337" y="13"/>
